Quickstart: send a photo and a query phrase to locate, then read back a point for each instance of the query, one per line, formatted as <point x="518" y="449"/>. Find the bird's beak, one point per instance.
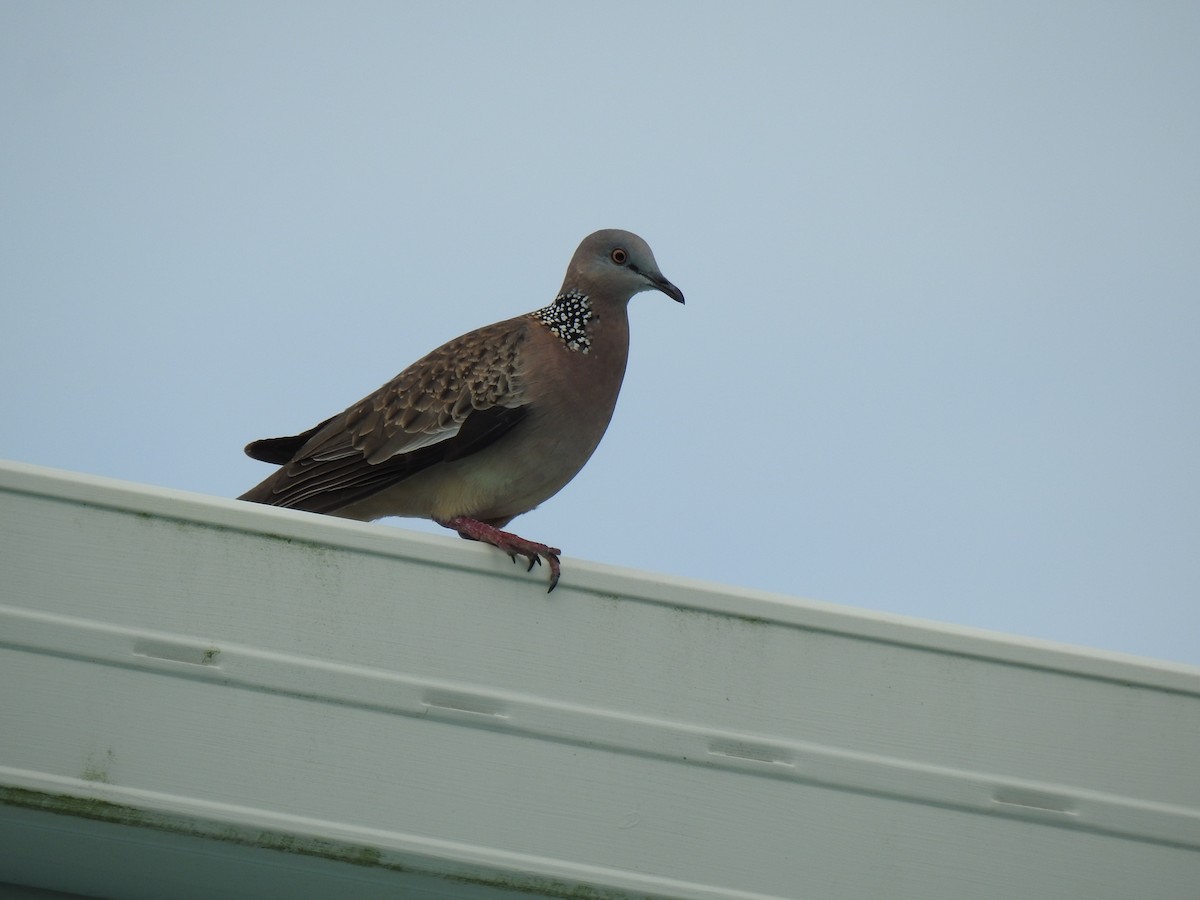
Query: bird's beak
<point x="658" y="283"/>
<point x="666" y="287"/>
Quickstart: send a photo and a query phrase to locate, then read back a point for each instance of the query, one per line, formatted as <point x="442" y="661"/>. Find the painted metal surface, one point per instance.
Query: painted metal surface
<point x="267" y="703"/>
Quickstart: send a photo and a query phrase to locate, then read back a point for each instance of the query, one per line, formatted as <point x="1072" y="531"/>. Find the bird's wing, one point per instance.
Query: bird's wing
<point x="453" y="402"/>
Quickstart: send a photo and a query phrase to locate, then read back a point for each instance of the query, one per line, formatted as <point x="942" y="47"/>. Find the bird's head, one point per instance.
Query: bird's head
<point x="616" y="264"/>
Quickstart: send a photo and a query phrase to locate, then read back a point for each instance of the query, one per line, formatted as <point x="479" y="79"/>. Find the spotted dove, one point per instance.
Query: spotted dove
<point x="487" y="426"/>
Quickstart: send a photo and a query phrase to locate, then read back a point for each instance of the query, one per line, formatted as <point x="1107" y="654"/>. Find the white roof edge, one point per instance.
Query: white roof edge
<point x="631" y="584"/>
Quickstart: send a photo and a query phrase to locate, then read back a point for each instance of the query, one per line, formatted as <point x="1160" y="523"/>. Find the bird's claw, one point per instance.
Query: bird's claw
<point x="511" y="544"/>
<point x="517" y="546"/>
<point x="534" y="559"/>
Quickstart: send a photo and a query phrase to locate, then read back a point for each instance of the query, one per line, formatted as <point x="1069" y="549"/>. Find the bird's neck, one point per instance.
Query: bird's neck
<point x="568" y="319"/>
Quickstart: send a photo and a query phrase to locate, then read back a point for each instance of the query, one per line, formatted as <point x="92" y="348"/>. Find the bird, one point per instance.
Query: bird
<point x="489" y="425"/>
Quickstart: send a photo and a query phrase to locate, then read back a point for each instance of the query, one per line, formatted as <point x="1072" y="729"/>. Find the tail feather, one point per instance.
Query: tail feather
<point x="281" y="450"/>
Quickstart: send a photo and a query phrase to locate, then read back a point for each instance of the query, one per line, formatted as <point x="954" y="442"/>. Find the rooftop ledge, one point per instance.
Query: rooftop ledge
<point x="201" y="697"/>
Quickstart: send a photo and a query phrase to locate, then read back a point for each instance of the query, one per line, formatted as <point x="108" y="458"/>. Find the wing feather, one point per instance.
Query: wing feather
<point x="453" y="402"/>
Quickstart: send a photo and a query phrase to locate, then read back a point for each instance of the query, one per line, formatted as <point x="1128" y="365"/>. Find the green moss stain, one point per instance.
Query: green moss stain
<point x="282" y="842"/>
<point x="97" y="767"/>
<point x="67" y="805"/>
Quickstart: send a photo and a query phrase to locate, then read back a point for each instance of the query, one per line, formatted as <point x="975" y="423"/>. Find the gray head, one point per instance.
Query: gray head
<point x="614" y="264"/>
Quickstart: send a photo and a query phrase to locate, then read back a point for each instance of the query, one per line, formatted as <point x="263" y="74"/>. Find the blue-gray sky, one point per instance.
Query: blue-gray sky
<point x="941" y="353"/>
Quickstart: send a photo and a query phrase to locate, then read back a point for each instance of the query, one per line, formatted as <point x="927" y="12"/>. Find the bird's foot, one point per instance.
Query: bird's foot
<point x="512" y="544"/>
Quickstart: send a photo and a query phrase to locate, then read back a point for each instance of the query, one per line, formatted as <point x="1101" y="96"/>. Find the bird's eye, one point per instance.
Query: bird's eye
<point x="620" y="257"/>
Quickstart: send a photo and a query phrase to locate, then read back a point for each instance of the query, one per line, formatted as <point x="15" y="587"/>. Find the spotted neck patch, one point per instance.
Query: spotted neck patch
<point x="567" y="318"/>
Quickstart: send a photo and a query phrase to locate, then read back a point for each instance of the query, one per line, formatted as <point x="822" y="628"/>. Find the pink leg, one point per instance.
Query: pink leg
<point x="513" y="545"/>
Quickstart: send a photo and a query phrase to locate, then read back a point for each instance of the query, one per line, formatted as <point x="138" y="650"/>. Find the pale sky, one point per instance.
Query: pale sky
<point x="941" y="351"/>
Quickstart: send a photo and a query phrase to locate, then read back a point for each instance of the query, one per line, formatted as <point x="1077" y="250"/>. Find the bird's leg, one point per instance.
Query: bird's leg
<point x="512" y="544"/>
